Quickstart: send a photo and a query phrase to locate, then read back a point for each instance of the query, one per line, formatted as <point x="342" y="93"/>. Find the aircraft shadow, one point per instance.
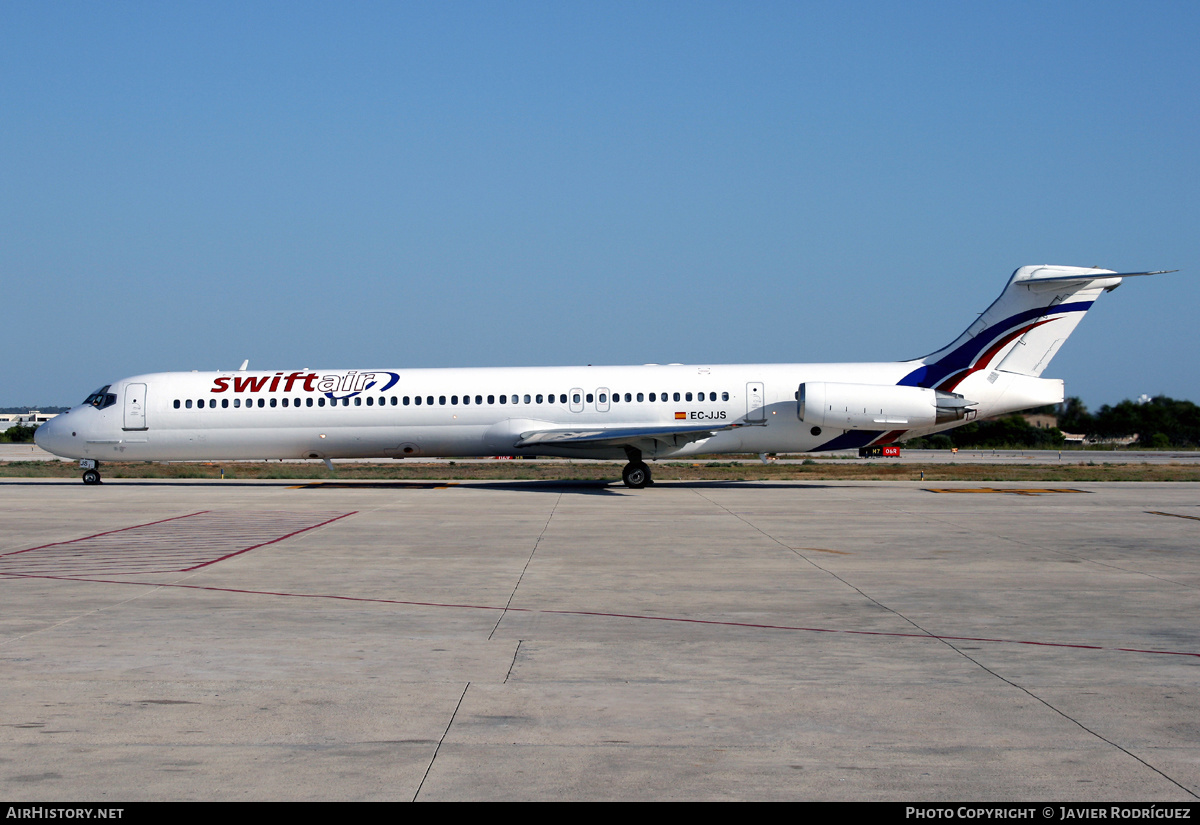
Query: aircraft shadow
<point x="607" y="488"/>
<point x="573" y="487"/>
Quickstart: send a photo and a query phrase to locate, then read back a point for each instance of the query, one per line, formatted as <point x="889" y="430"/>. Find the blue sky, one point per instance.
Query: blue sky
<point x="350" y="185"/>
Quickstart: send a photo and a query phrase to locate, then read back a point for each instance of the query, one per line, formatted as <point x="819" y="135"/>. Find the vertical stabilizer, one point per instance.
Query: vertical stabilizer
<point x="1022" y="329"/>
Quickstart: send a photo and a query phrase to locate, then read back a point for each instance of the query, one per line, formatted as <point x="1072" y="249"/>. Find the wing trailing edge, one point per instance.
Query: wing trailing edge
<point x="618" y="436"/>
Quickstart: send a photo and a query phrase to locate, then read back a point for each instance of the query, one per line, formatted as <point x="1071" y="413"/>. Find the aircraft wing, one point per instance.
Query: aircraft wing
<point x="620" y="436"/>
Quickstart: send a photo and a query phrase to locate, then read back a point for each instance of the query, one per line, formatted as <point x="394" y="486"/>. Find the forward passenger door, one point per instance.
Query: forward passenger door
<point x="135" y="407"/>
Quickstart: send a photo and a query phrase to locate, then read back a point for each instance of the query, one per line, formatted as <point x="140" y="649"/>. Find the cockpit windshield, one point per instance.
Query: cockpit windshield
<point x="101" y="398"/>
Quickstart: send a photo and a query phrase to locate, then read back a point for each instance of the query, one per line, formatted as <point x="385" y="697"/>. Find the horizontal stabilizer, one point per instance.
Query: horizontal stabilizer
<point x="1083" y="279"/>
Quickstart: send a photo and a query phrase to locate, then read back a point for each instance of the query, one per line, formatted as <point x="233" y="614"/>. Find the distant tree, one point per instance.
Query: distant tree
<point x="1157" y="441"/>
<point x="1159" y="422"/>
<point x="1010" y="431"/>
<point x="18" y="434"/>
<point x="1073" y="416"/>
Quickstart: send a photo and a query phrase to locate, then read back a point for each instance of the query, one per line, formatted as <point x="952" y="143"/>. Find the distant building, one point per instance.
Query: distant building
<point x="1042" y="421"/>
<point x="26" y="419"/>
<point x="1077" y="438"/>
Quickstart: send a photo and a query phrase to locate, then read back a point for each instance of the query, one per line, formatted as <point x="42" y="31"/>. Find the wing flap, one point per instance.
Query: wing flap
<point x="618" y="436"/>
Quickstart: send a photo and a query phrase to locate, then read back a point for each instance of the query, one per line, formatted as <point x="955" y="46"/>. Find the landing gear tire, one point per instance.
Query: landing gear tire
<point x="91" y="477"/>
<point x="636" y="475"/>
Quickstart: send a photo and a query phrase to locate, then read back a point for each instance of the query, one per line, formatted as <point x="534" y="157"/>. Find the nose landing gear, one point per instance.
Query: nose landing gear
<point x="91" y="470"/>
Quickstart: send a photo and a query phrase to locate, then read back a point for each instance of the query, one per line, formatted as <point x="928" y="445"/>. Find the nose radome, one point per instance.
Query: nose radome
<point x="50" y="435"/>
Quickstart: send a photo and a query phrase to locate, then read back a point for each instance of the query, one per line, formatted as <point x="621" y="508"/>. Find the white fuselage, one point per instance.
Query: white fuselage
<point x="644" y="412"/>
<point x="330" y="414"/>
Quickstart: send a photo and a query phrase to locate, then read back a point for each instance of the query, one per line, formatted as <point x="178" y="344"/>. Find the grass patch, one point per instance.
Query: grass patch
<point x="609" y="471"/>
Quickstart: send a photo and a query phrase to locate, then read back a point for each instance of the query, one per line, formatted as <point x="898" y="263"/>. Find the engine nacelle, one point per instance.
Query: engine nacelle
<point x="878" y="406"/>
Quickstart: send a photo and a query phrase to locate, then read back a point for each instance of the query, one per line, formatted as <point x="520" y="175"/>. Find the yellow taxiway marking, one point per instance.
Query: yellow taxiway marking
<point x="389" y="485"/>
<point x="1176" y="515"/>
<point x="1025" y="491"/>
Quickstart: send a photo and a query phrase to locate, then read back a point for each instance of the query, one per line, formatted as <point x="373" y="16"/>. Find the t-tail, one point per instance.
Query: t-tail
<point x="997" y="362"/>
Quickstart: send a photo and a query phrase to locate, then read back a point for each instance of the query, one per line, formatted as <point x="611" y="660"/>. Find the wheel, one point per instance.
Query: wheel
<point x="91" y="477"/>
<point x="635" y="475"/>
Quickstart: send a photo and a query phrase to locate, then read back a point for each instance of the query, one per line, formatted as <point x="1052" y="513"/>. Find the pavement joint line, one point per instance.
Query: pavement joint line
<point x="77" y="617"/>
<point x="968" y="526"/>
<point x="1046" y="703"/>
<point x="948" y="641"/>
<point x="513" y="663"/>
<point x="528" y="562"/>
<point x="442" y="739"/>
<point x="615" y="615"/>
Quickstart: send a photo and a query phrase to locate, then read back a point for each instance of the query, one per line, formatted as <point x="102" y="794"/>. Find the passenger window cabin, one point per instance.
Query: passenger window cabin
<point x="601" y="398"/>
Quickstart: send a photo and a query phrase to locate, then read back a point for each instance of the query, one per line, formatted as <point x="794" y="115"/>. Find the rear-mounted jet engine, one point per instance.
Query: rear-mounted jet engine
<point x="876" y="406"/>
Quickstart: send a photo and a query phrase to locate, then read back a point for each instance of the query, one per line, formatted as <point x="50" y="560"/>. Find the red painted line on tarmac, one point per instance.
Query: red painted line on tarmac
<point x="173" y="545"/>
<point x="105" y="533"/>
<point x="600" y="614"/>
<point x="272" y="541"/>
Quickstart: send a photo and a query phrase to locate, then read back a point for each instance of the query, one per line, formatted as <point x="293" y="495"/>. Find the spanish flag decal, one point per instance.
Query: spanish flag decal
<point x="679" y="415"/>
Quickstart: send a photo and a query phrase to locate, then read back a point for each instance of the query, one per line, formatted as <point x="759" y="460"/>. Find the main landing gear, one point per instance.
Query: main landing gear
<point x="91" y="471"/>
<point x="635" y="474"/>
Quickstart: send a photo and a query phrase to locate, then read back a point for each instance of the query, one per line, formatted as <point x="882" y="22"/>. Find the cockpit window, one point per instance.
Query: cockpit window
<point x="101" y="398"/>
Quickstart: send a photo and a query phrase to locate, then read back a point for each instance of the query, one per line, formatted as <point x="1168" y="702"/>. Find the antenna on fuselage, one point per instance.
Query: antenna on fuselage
<point x="245" y="364"/>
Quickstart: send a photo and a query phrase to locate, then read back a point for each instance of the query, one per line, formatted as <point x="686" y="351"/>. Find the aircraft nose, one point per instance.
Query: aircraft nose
<point x="52" y="436"/>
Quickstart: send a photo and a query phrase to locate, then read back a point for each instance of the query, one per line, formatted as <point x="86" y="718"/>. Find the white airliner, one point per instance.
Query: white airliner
<point x="636" y="412"/>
